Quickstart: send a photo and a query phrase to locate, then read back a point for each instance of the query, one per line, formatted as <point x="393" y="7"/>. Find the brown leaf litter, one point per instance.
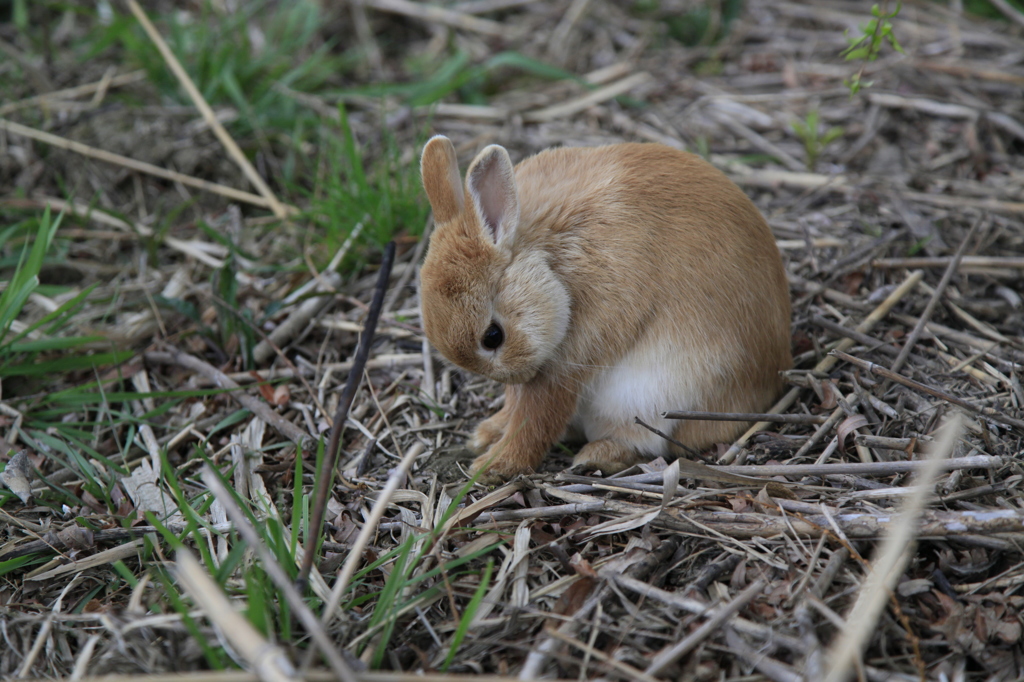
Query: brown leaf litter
<point x="905" y="251"/>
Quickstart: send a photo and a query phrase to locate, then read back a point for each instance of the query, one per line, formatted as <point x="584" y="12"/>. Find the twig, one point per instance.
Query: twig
<point x="908" y="345"/>
<point x="993" y="205"/>
<point x="385" y="361"/>
<point x="575" y="106"/>
<point x="257" y="406"/>
<point x="824" y="470"/>
<point x="298" y="318"/>
<point x="695" y="606"/>
<point x="330" y="460"/>
<point x="485" y="6"/>
<point x="927" y="106"/>
<point x="140" y="166"/>
<point x="268" y="660"/>
<point x="747" y="417"/>
<point x="211" y="119"/>
<point x="989" y="412"/>
<point x="871" y="342"/>
<point x="403" y="280"/>
<point x="759" y="141"/>
<point x="269" y="564"/>
<point x="767" y="666"/>
<point x="852" y="524"/>
<point x="68" y="93"/>
<point x="892" y="559"/>
<point x="355" y="554"/>
<point x="966" y="262"/>
<point x="698" y="471"/>
<point x="311" y="676"/>
<point x="685" y="448"/>
<point x="629" y="671"/>
<point x="439" y="15"/>
<point x="669" y="656"/>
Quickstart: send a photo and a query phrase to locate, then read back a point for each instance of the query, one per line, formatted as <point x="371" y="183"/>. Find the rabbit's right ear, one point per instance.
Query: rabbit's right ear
<point x="491" y="181"/>
<point x="439" y="168"/>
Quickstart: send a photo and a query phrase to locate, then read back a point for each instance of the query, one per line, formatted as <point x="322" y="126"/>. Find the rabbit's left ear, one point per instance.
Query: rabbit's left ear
<point x="439" y="168"/>
<point x="491" y="182"/>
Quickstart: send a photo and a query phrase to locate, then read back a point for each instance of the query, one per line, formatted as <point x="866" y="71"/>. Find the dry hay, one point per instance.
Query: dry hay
<point x="643" y="576"/>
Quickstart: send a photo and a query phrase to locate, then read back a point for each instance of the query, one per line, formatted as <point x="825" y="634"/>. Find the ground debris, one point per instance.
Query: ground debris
<point x="646" y="575"/>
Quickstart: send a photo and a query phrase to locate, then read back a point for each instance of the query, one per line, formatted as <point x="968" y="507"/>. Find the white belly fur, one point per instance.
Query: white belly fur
<point x="655" y="377"/>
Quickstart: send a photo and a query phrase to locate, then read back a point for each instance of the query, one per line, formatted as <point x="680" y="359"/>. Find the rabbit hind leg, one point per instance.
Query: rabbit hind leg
<point x="607" y="455"/>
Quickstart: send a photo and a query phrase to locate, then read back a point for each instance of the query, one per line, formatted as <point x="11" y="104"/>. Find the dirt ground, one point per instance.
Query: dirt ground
<point x="899" y="211"/>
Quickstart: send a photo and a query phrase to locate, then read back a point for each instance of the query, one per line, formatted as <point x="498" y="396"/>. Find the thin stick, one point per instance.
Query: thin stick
<point x="369" y="529"/>
<point x="932" y="302"/>
<point x="439" y="15"/>
<point x="871" y="342"/>
<point x="966" y="262"/>
<point x="827" y="363"/>
<point x="688" y="450"/>
<point x="78" y="90"/>
<point x="697" y="470"/>
<point x="257" y="406"/>
<point x="991" y="413"/>
<point x="836" y="469"/>
<point x="774" y="670"/>
<point x="825" y="428"/>
<point x="747" y="417"/>
<point x="208" y="115"/>
<point x="311" y="676"/>
<point x="140" y="166"/>
<point x="666" y="658"/>
<point x="330" y="460"/>
<point x="566" y="109"/>
<point x="269" y="660"/>
<point x="269" y="564"/>
<point x="892" y="558"/>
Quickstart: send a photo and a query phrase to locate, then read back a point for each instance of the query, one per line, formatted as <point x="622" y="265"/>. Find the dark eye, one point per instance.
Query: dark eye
<point x="493" y="337"/>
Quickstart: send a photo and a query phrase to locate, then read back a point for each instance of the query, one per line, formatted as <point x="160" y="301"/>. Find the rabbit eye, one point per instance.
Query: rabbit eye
<point x="493" y="337"/>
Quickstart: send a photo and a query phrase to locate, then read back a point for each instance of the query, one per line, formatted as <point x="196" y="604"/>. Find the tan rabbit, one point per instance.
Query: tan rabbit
<point x="602" y="284"/>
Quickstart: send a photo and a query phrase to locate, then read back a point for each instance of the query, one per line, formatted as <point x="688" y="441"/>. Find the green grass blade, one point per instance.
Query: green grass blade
<point x="468" y="613"/>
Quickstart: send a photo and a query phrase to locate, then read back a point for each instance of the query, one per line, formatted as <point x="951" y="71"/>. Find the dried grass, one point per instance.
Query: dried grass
<point x="643" y="576"/>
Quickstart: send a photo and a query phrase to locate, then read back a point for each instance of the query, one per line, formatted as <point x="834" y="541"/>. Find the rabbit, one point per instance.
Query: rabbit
<point x="602" y="284"/>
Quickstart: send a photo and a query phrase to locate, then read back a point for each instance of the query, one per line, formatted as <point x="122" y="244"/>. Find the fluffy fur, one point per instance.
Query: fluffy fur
<point x="628" y="280"/>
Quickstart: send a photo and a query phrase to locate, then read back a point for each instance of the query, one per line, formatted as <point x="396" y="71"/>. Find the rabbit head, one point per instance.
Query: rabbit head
<point x="490" y="304"/>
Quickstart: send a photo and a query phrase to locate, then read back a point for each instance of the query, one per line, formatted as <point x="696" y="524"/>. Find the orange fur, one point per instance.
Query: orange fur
<point x="624" y="277"/>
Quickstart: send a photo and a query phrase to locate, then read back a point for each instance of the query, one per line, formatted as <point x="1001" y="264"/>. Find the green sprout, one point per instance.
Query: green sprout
<point x="868" y="45"/>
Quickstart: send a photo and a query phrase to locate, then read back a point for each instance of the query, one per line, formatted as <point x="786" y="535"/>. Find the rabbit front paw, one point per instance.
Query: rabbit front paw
<point x="489" y="432"/>
<point x="491" y="470"/>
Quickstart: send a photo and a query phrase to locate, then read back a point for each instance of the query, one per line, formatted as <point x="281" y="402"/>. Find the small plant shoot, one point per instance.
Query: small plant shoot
<point x="867" y="46"/>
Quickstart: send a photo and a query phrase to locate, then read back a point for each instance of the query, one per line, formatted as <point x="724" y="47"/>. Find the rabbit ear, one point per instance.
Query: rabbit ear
<point x="439" y="168"/>
<point x="491" y="182"/>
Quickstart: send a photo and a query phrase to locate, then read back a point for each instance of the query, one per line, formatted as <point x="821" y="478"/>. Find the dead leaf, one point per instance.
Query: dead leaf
<point x="265" y="389"/>
<point x="574" y="596"/>
<point x="143" y="486"/>
<point x="621" y="525"/>
<point x="829" y="396"/>
<point x="17" y="476"/>
<point x="740" y="503"/>
<point x="848" y="426"/>
<point x="582" y="566"/>
<point x="777" y="489"/>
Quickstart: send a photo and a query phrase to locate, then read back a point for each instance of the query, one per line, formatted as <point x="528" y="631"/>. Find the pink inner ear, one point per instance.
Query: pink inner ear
<point x="491" y="186"/>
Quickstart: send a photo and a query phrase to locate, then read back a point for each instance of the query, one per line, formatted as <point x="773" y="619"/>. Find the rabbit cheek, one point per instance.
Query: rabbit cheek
<point x="535" y="307"/>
